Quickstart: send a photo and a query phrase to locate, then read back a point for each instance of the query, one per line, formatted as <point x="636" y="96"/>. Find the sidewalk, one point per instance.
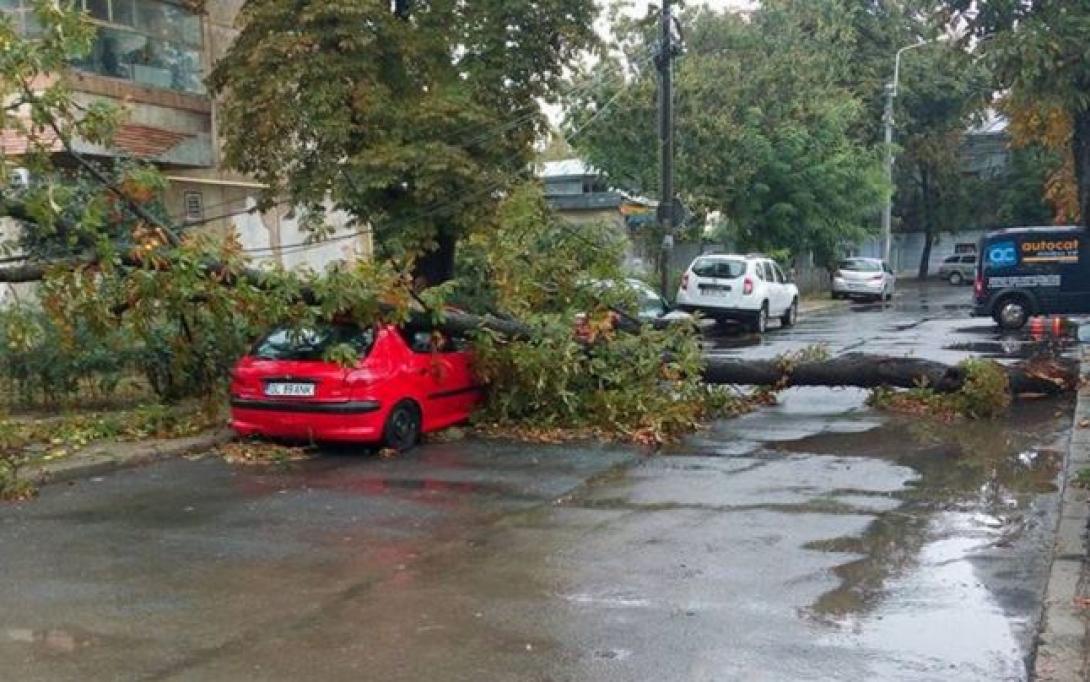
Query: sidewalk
<point x="106" y="456"/>
<point x="817" y="302"/>
<point x="1062" y="653"/>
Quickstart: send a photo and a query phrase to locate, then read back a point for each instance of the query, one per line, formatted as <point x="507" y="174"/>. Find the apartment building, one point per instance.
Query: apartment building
<point x="153" y="56"/>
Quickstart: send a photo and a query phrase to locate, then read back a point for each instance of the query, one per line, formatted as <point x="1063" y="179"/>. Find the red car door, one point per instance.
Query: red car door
<point x="444" y="377"/>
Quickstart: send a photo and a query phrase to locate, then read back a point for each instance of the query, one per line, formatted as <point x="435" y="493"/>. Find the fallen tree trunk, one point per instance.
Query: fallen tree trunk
<point x="1048" y="377"/>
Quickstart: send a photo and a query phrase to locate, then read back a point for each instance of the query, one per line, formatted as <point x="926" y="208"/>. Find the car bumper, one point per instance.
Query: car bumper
<point x="359" y="422"/>
<point x="714" y="312"/>
<point x="850" y="288"/>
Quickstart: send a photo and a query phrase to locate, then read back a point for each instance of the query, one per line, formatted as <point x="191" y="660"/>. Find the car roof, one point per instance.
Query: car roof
<point x="724" y="256"/>
<point x="1063" y="229"/>
<point x="866" y="258"/>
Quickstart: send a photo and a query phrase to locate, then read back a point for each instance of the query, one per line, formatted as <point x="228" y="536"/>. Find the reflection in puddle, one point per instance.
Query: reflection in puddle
<point x="54" y="641"/>
<point x="978" y="483"/>
<point x="1014" y="348"/>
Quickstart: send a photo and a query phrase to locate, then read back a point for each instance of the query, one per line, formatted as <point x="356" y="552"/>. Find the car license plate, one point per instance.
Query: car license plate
<point x="285" y="390"/>
<point x="714" y="291"/>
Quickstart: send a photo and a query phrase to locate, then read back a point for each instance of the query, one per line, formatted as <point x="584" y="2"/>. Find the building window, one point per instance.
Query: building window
<point x="149" y="42"/>
<point x="194" y="207"/>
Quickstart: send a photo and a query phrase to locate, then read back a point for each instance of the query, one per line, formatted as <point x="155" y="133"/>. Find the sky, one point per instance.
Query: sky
<point x="639" y="7"/>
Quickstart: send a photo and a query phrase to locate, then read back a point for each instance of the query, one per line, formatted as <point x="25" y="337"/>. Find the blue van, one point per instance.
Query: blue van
<point x="1027" y="271"/>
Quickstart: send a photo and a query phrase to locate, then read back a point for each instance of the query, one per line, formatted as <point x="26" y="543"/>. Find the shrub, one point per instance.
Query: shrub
<point x="39" y="362"/>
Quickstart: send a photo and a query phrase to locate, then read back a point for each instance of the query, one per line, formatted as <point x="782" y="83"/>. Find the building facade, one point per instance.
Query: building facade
<point x="152" y="56"/>
<point x="581" y="196"/>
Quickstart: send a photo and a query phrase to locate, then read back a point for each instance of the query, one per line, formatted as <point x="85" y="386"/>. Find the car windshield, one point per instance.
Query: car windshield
<point x="649" y="302"/>
<point x="860" y="265"/>
<point x="719" y="267"/>
<point x="287" y="343"/>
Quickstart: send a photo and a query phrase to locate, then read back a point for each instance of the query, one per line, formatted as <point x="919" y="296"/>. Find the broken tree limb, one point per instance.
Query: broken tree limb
<point x="1051" y="377"/>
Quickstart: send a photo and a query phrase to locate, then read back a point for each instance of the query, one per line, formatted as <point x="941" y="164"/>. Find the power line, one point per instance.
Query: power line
<point x="438" y="208"/>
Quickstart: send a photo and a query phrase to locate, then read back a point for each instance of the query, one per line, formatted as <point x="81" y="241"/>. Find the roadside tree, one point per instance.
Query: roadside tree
<point x="764" y="127"/>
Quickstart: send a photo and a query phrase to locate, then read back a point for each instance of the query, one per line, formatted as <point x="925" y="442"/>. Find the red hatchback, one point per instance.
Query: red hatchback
<point x="404" y="384"/>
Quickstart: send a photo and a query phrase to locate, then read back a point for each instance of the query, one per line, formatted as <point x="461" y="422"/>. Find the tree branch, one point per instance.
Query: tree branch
<point x="96" y="173"/>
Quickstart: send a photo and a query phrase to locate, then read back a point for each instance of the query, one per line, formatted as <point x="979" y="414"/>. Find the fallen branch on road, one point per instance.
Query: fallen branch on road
<point x="1042" y="376"/>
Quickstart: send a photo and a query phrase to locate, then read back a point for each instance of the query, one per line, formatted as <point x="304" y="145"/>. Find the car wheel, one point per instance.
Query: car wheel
<point x="956" y="279"/>
<point x="402" y="429"/>
<point x="791" y="316"/>
<point x="760" y="323"/>
<point x="836" y="296"/>
<point x="1012" y="313"/>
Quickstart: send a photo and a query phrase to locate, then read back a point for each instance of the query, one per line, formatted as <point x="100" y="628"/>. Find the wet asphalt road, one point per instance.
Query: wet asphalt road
<point x="814" y="540"/>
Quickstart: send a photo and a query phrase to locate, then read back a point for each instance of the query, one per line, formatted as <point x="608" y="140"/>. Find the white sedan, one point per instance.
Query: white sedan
<point x="870" y="278"/>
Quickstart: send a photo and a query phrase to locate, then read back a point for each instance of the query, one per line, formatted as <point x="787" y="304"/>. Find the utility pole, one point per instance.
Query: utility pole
<point x="887" y="209"/>
<point x="665" y="61"/>
<point x="887" y="119"/>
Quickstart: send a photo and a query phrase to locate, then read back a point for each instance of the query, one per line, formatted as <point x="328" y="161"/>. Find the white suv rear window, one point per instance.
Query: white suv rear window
<point x="718" y="267"/>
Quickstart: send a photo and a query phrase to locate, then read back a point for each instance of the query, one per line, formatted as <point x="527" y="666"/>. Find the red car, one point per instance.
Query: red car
<point x="405" y="383"/>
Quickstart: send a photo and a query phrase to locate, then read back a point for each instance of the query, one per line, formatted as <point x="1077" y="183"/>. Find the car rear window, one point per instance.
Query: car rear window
<point x="287" y="343"/>
<point x="718" y="267"/>
<point x="857" y="265"/>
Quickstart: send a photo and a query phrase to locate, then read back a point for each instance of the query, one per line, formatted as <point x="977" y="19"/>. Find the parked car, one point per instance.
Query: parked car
<point x="958" y="269"/>
<point x="405" y="383"/>
<point x="648" y="307"/>
<point x="750" y="289"/>
<point x="866" y="278"/>
<point x="651" y="308"/>
<point x="1030" y="271"/>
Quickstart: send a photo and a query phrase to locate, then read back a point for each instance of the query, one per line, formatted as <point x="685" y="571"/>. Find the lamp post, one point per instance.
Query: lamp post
<point x="891" y="93"/>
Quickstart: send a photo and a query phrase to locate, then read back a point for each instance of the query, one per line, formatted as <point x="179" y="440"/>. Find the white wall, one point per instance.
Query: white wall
<point x="276" y="236"/>
<point x="907" y="249"/>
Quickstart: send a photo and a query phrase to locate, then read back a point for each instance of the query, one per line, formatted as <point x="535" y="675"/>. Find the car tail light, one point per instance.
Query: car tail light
<point x="747" y="287"/>
<point x="685" y="281"/>
<point x="978" y="286"/>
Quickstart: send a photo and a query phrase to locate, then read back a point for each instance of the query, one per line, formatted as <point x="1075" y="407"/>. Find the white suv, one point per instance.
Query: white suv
<point x="749" y="289"/>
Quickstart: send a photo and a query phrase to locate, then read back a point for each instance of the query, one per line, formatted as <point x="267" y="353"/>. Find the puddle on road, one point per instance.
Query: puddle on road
<point x="978" y="482"/>
<point x="1015" y="346"/>
<point x="55" y="641"/>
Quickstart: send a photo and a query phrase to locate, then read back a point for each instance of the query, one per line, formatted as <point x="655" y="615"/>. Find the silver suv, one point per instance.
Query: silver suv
<point x="959" y="269"/>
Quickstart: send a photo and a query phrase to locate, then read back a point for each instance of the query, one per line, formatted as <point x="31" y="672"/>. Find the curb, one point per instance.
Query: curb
<point x="1062" y="641"/>
<point x="104" y="458"/>
<point x="818" y="305"/>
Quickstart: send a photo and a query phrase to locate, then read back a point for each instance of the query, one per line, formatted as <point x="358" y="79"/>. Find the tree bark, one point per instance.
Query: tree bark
<point x="437" y="266"/>
<point x="1081" y="148"/>
<point x="874" y="371"/>
<point x="928" y="230"/>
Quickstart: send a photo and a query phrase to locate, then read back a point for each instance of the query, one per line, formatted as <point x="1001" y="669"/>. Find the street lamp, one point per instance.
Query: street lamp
<point x="891" y="93"/>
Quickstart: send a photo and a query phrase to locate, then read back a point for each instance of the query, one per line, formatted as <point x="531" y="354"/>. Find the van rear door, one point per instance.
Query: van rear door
<point x="1075" y="278"/>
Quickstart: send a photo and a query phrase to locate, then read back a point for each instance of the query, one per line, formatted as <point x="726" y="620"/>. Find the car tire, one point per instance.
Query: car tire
<point x="836" y="296"/>
<point x="403" y="426"/>
<point x="759" y="324"/>
<point x="1012" y="312"/>
<point x="956" y="279"/>
<point x="791" y="315"/>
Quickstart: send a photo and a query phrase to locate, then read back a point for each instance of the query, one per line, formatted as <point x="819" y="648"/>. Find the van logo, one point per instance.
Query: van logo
<point x="1003" y="253"/>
